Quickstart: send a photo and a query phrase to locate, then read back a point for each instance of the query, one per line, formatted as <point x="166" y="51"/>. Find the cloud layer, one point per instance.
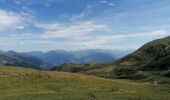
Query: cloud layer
<point x="101" y="24"/>
<point x="10" y="20"/>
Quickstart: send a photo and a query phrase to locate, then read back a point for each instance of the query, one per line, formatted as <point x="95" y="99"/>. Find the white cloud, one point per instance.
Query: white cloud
<point x="103" y="41"/>
<point x="81" y="34"/>
<point x="21" y="43"/>
<point x="10" y="20"/>
<point x="73" y="30"/>
<point x="111" y="4"/>
<point x="141" y="35"/>
<point x="50" y="26"/>
<point x="17" y="1"/>
<point x="107" y="3"/>
<point x="103" y="1"/>
<point x="83" y="14"/>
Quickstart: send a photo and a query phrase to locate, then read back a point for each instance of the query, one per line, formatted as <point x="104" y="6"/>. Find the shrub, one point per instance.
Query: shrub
<point x="166" y="73"/>
<point x="128" y="73"/>
<point x="123" y="72"/>
<point x="114" y="89"/>
<point x="139" y="75"/>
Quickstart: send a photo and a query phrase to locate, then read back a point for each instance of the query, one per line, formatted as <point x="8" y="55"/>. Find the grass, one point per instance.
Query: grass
<point x="96" y="69"/>
<point x="29" y="84"/>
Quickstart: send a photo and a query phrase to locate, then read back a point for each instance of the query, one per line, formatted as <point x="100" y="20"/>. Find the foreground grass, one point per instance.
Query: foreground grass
<point x="28" y="84"/>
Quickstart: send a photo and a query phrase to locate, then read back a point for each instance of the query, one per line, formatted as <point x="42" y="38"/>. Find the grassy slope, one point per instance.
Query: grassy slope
<point x="28" y="84"/>
<point x="98" y="69"/>
<point x="153" y="55"/>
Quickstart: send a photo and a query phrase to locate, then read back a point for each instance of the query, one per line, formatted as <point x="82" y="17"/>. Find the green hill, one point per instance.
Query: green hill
<point x="29" y="84"/>
<point x="154" y="55"/>
<point x="98" y="69"/>
<point x="12" y="58"/>
<point x="152" y="59"/>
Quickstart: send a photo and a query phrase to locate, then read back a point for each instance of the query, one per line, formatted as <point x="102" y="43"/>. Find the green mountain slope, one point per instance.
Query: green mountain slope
<point x="98" y="69"/>
<point x="12" y="58"/>
<point x="154" y="55"/>
<point x="29" y="84"/>
<point x="152" y="58"/>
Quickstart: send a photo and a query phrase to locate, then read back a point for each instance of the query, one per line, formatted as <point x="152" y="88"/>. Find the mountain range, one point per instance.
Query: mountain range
<point x="59" y="57"/>
<point x="45" y="61"/>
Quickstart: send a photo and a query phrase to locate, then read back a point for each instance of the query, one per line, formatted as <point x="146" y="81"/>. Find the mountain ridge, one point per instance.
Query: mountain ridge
<point x="12" y="58"/>
<point x="59" y="57"/>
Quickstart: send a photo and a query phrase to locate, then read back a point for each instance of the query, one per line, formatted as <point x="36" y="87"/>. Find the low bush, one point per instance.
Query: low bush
<point x="128" y="73"/>
<point x="166" y="73"/>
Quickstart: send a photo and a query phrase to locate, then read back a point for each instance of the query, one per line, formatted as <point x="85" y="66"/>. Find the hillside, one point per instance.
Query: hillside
<point x="97" y="69"/>
<point x="12" y="58"/>
<point x="29" y="84"/>
<point x="153" y="55"/>
<point x="151" y="59"/>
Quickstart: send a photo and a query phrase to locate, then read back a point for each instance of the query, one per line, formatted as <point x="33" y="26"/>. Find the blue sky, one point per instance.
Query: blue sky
<point x="28" y="25"/>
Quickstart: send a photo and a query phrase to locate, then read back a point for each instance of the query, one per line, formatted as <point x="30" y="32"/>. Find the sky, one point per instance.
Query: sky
<point x="33" y="25"/>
